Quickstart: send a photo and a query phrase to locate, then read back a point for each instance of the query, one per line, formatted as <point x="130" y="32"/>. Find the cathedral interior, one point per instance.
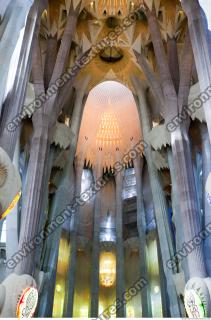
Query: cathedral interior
<point x="105" y="159"/>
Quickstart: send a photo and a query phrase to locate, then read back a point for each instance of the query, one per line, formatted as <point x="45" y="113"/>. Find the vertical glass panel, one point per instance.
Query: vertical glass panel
<point x="82" y="284"/>
<point x="61" y="276"/>
<point x="129" y="184"/>
<point x="107" y="278"/>
<point x="153" y="268"/>
<point x="3" y="232"/>
<point x="132" y="275"/>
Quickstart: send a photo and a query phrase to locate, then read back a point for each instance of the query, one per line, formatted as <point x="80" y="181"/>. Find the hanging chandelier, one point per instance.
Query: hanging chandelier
<point x="107" y="269"/>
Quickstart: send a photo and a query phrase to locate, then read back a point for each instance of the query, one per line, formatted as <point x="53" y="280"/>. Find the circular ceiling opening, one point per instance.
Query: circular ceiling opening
<point x="111" y="54"/>
<point x="112" y="22"/>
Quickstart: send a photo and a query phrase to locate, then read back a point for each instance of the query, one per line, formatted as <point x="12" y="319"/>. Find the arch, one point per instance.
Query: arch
<point x="110" y="124"/>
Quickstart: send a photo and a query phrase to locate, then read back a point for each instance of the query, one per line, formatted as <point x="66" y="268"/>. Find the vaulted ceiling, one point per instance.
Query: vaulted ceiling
<point x="110" y="124"/>
<point x="110" y="107"/>
<point x="97" y="19"/>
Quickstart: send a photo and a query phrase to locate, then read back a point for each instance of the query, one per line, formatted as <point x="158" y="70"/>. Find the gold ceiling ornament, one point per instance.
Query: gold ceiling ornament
<point x="107" y="269"/>
<point x="108" y="8"/>
<point x="171" y="19"/>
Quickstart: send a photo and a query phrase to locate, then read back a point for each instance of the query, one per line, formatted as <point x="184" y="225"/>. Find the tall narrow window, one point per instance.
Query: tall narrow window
<point x="3" y="232"/>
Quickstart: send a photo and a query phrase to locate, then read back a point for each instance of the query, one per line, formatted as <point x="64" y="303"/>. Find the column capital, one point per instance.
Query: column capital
<point x="191" y="7"/>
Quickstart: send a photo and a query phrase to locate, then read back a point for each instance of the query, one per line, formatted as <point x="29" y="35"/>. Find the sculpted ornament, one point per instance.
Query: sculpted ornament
<point x="197" y="298"/>
<point x="10" y="184"/>
<point x="18" y="296"/>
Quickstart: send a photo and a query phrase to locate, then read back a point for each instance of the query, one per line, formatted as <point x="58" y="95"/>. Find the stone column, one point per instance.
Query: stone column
<point x="206" y="165"/>
<point x="70" y="286"/>
<point x="63" y="197"/>
<point x="180" y="143"/>
<point x="94" y="292"/>
<point x="3" y="8"/>
<point x="12" y="218"/>
<point x="176" y="209"/>
<point x="40" y="146"/>
<point x="141" y="225"/>
<point x="163" y="283"/>
<point x="196" y="171"/>
<point x="15" y="99"/>
<point x="200" y="39"/>
<point x="120" y="263"/>
<point x="31" y="205"/>
<point x="160" y="205"/>
<point x="44" y="202"/>
<point x="189" y="206"/>
<point x="14" y="18"/>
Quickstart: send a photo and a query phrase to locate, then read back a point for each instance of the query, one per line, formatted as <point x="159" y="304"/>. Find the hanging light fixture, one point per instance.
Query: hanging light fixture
<point x="107" y="269"/>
